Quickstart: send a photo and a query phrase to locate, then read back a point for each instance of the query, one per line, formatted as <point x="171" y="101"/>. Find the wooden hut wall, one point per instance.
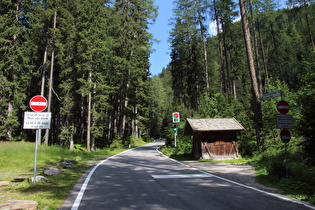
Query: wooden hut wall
<point x="215" y="145"/>
<point x="219" y="150"/>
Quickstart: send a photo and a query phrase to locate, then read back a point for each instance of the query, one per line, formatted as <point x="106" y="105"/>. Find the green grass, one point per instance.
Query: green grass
<point x="17" y="165"/>
<point x="299" y="184"/>
<point x="230" y="161"/>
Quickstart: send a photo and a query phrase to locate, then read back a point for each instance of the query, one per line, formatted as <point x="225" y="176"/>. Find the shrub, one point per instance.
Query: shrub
<point x="300" y="183"/>
<point x="146" y="137"/>
<point x="301" y="172"/>
<point x="273" y="161"/>
<point x="135" y="141"/>
<point x="116" y="144"/>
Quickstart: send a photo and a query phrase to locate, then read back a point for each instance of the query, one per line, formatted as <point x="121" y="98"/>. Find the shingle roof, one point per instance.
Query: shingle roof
<point x="212" y="124"/>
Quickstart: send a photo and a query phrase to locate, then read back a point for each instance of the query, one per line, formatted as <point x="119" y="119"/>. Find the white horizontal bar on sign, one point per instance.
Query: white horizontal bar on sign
<point x="178" y="176"/>
<point x="38" y="103"/>
<point x="283" y="107"/>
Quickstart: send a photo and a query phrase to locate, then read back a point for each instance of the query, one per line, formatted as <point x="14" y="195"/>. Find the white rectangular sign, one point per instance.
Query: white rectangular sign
<point x="271" y="95"/>
<point x="37" y="120"/>
<point x="284" y="121"/>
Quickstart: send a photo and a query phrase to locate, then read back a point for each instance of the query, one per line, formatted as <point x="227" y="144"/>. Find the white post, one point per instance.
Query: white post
<point x="35" y="155"/>
<point x="175" y="138"/>
<point x="175" y="135"/>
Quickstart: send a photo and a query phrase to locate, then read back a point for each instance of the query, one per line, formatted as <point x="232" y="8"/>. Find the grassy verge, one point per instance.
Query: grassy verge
<point x="17" y="165"/>
<point x="299" y="184"/>
<point x="231" y="161"/>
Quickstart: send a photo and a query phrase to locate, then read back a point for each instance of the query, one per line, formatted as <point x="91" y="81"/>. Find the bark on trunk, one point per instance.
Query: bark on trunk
<point x="256" y="49"/>
<point x="256" y="105"/>
<point x="88" y="121"/>
<point x="51" y="79"/>
<point x="204" y="41"/>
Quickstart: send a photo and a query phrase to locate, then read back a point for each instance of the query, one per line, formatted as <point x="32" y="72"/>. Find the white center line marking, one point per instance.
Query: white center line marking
<point x="181" y="176"/>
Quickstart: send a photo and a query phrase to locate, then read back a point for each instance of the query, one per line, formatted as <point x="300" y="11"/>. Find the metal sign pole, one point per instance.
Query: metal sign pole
<point x="286" y="160"/>
<point x="35" y="155"/>
<point x="175" y="137"/>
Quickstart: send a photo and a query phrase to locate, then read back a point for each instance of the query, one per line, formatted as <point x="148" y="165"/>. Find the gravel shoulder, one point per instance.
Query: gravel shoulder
<point x="244" y="174"/>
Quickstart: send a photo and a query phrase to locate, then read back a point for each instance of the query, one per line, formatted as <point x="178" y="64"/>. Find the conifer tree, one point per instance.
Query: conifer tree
<point x="187" y="70"/>
<point x="129" y="62"/>
<point x="14" y="74"/>
<point x="256" y="105"/>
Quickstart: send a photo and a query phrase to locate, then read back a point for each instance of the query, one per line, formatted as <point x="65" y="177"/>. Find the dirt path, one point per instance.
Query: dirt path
<point x="244" y="174"/>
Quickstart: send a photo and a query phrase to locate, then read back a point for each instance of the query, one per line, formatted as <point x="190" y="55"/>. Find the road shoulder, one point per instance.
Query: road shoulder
<point x="241" y="173"/>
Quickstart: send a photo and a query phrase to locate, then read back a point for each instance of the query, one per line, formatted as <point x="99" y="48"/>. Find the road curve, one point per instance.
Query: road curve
<point x="143" y="178"/>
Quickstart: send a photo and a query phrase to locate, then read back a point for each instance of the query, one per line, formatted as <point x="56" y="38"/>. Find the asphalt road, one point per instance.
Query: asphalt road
<point x="143" y="178"/>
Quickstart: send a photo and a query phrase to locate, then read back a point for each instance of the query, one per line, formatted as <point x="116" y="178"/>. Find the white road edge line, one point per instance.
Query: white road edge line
<point x="242" y="185"/>
<point x="78" y="199"/>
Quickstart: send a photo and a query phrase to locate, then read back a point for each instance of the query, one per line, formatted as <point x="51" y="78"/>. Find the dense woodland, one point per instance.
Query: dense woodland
<point x="90" y="60"/>
<point x="226" y="75"/>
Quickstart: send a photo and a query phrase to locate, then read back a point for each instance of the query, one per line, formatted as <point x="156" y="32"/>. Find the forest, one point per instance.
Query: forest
<point x="90" y="59"/>
<point x="226" y="75"/>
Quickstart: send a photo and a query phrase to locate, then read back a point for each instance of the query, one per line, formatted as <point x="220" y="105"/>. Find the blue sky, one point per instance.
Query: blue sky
<point x="160" y="57"/>
<point x="161" y="30"/>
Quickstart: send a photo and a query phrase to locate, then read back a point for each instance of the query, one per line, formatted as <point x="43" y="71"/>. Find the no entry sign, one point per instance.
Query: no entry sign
<point x="38" y="103"/>
<point x="283" y="107"/>
<point x="285" y="135"/>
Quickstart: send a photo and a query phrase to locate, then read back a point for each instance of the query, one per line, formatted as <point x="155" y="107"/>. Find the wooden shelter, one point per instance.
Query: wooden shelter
<point x="214" y="138"/>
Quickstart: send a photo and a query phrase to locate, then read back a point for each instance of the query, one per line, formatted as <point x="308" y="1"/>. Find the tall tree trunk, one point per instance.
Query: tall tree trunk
<point x="223" y="79"/>
<point x="135" y="123"/>
<point x="226" y="59"/>
<point x="265" y="60"/>
<point x="256" y="105"/>
<point x="51" y="78"/>
<point x="234" y="90"/>
<point x="249" y="51"/>
<point x="10" y="113"/>
<point x="256" y="49"/>
<point x="124" y="119"/>
<point x="71" y="147"/>
<point x="204" y="41"/>
<point x="88" y="121"/>
<point x="93" y="120"/>
<point x="42" y="90"/>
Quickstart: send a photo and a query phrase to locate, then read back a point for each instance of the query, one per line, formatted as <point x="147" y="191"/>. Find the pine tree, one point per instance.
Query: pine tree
<point x="224" y="14"/>
<point x="129" y="64"/>
<point x="187" y="70"/>
<point x="256" y="105"/>
<point x="14" y="68"/>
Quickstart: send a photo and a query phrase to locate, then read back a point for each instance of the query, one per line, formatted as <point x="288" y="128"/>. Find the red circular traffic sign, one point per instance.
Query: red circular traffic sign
<point x="38" y="103"/>
<point x="283" y="107"/>
<point x="285" y="135"/>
